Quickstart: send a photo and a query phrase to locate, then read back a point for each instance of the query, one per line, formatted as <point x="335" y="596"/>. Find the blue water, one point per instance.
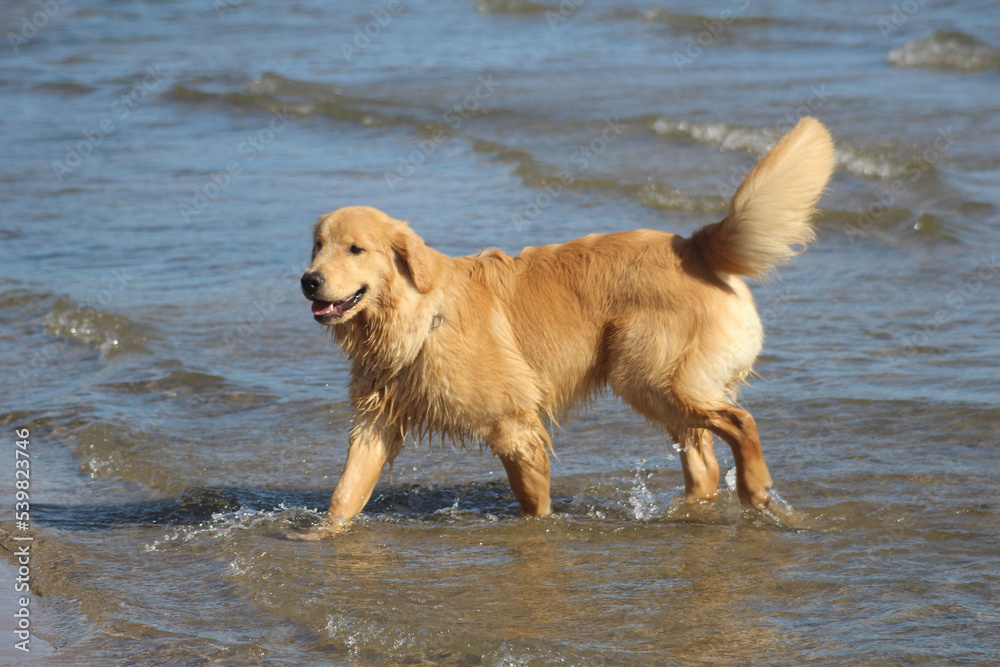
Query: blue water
<point x="161" y="166"/>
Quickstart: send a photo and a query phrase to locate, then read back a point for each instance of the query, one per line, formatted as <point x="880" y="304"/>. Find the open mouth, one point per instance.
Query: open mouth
<point x="327" y="311"/>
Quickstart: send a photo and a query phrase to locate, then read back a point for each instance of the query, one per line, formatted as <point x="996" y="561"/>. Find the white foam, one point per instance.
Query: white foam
<point x="950" y="50"/>
<point x="722" y="135"/>
<point x="871" y="162"/>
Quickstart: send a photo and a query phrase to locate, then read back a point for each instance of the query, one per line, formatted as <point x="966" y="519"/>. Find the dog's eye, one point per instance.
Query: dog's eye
<point x="317" y="246"/>
<point x="355" y="250"/>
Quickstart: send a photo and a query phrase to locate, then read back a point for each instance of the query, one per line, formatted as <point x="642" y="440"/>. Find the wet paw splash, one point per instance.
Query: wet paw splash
<point x="223" y="526"/>
<point x="778" y="511"/>
<point x="641" y="499"/>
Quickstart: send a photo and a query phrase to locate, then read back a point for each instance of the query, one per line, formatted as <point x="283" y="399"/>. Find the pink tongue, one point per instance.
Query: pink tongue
<point x="322" y="307"/>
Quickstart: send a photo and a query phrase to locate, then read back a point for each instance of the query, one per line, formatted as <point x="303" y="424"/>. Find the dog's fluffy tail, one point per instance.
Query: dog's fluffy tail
<point x="769" y="216"/>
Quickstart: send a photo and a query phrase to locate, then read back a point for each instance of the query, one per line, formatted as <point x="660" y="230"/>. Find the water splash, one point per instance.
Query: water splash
<point x="778" y="512"/>
<point x="224" y="525"/>
<point x="641" y="499"/>
<point x="731" y="479"/>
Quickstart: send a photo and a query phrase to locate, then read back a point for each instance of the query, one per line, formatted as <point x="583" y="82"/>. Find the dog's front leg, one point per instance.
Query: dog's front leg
<point x="523" y="450"/>
<point x="373" y="444"/>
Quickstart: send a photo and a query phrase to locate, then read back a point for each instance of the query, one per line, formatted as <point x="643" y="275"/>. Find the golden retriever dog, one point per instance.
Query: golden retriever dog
<point x="491" y="348"/>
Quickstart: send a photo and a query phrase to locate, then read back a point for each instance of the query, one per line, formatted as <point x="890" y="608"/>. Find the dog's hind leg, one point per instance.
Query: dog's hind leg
<point x="697" y="420"/>
<point x="523" y="449"/>
<point x="701" y="470"/>
<point x="739" y="430"/>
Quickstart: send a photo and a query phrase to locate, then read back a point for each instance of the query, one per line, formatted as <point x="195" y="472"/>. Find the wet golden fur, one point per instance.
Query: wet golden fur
<point x="490" y="347"/>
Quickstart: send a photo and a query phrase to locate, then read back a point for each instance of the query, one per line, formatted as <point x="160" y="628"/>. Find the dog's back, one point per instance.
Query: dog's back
<point x="657" y="315"/>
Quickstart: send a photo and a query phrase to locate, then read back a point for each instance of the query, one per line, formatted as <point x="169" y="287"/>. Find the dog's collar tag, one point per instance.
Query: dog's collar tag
<point x="436" y="321"/>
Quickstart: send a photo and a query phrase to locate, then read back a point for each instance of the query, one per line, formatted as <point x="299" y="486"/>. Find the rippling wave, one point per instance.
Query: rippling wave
<point x="882" y="162"/>
<point x="515" y="7"/>
<point x="892" y="222"/>
<point x="109" y="332"/>
<point x="274" y="93"/>
<point x="690" y="22"/>
<point x="947" y="50"/>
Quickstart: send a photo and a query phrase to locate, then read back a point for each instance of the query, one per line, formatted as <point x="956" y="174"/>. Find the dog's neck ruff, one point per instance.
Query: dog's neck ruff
<point x="377" y="368"/>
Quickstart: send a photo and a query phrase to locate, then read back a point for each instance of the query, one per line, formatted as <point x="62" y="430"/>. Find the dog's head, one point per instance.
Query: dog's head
<point x="360" y="256"/>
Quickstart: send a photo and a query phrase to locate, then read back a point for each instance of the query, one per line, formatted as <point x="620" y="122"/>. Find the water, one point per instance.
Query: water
<point x="162" y="164"/>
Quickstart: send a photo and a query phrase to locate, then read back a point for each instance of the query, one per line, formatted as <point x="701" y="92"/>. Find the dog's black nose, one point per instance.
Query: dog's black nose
<point x="311" y="282"/>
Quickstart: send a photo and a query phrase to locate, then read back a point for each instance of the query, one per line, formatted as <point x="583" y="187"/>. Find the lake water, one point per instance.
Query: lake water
<point x="161" y="165"/>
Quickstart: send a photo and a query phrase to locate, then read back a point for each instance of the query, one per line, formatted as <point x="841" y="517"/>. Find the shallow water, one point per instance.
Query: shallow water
<point x="162" y="165"/>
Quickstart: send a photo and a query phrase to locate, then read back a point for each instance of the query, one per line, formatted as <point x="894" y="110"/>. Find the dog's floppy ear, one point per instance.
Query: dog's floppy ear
<point x="418" y="257"/>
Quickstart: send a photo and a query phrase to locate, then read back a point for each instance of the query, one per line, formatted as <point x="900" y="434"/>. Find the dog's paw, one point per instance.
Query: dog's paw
<point x="325" y="528"/>
<point x="758" y="499"/>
